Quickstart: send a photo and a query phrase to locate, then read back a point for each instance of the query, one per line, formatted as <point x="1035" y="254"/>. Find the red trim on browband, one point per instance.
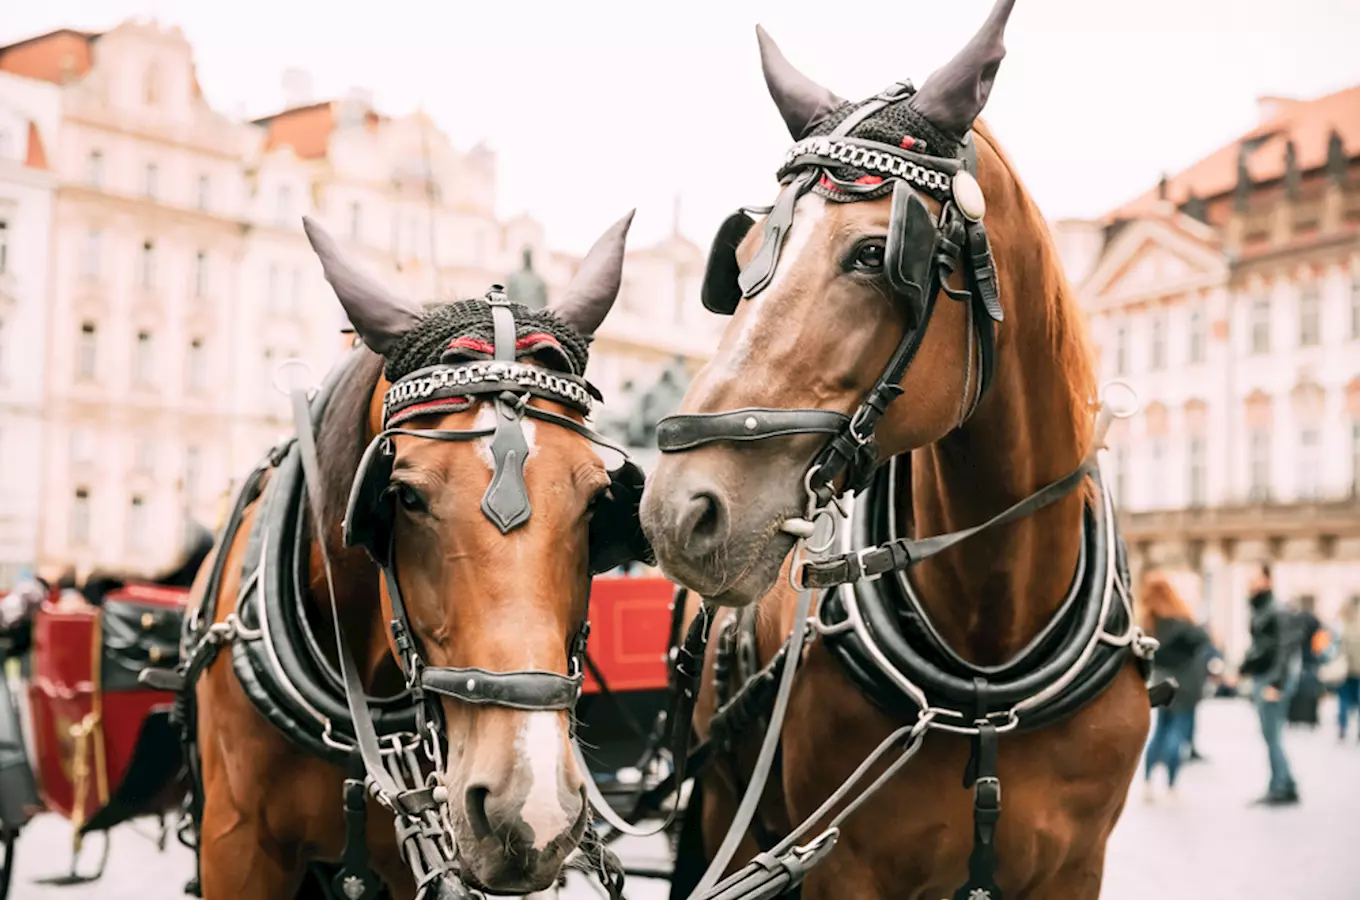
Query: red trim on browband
<point x="907" y="142"/>
<point x="868" y="179"/>
<point x="827" y="183"/>
<point x="416" y="409"/>
<point x="477" y="345"/>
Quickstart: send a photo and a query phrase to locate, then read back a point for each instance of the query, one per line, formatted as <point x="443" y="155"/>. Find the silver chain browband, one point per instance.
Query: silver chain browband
<point x="422" y="384"/>
<point x="861" y="157"/>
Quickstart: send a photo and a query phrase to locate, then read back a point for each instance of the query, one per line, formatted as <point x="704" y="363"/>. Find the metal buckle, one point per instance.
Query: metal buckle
<point x="859" y="560"/>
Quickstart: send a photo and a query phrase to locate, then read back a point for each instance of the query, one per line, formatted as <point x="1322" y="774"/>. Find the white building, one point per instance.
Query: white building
<point x="1229" y="298"/>
<point x="181" y="279"/>
<point x="29" y="119"/>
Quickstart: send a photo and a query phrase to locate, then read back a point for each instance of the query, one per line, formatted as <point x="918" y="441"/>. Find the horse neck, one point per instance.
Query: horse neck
<point x="345" y="431"/>
<point x="993" y="593"/>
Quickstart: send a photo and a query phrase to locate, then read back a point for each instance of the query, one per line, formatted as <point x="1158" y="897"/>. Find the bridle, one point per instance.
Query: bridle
<point x="921" y="254"/>
<point x="454" y="384"/>
<point x="450" y="386"/>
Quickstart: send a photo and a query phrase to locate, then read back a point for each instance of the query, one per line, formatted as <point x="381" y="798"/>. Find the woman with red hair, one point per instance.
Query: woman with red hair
<point x="1180" y="656"/>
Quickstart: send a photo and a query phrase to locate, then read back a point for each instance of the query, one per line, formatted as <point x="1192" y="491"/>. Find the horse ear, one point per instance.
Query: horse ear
<point x="593" y="291"/>
<point x="953" y="96"/>
<point x="380" y="317"/>
<point x="801" y="101"/>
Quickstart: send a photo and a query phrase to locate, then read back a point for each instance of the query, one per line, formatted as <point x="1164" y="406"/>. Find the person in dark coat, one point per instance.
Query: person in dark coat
<point x="1303" y="708"/>
<point x="1274" y="662"/>
<point x="1181" y="655"/>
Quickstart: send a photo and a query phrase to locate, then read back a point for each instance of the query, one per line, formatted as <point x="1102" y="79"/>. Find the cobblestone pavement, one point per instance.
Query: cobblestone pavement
<point x="1207" y="843"/>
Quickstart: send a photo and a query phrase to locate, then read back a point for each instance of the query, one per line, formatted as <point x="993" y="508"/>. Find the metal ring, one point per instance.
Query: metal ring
<point x="1125" y="412"/>
<point x="293" y="363"/>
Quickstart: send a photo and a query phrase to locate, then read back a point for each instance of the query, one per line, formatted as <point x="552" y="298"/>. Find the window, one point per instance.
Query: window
<point x="4" y="247"/>
<point x="148" y="276"/>
<point x="1355" y="457"/>
<point x="1198" y="472"/>
<point x="93" y="239"/>
<point x="149" y="186"/>
<point x="143" y="364"/>
<point x="1310" y="317"/>
<point x="80" y="517"/>
<point x="137" y="522"/>
<point x="1260" y="325"/>
<point x="285" y="208"/>
<point x="85" y="350"/>
<point x="1355" y="308"/>
<point x="81" y="446"/>
<point x="192" y="462"/>
<point x="275" y="285"/>
<point x="149" y="87"/>
<point x="295" y="291"/>
<point x="1157" y="350"/>
<point x="201" y="274"/>
<point x="196" y="374"/>
<point x="204" y="192"/>
<point x="1197" y="336"/>
<point x="94" y="169"/>
<point x="1258" y="489"/>
<point x="146" y="455"/>
<point x="1310" y="442"/>
<point x="356" y="220"/>
<point x="1121" y="350"/>
<point x="1156" y="480"/>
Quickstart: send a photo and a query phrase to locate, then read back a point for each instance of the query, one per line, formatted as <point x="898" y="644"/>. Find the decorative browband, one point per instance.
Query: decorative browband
<point x="442" y="388"/>
<point x="933" y="173"/>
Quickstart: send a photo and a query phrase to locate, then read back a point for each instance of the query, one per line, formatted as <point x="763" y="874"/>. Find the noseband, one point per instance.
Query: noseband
<point x="922" y="252"/>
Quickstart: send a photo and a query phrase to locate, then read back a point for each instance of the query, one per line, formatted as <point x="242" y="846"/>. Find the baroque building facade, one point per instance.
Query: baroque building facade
<point x="178" y="279"/>
<point x="1228" y="297"/>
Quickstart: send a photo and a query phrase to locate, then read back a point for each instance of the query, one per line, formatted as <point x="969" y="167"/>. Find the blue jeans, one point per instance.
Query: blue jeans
<point x="1168" y="739"/>
<point x="1348" y="698"/>
<point x="1272" y="715"/>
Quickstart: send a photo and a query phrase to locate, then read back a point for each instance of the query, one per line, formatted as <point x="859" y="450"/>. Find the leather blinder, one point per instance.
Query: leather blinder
<point x="911" y="248"/>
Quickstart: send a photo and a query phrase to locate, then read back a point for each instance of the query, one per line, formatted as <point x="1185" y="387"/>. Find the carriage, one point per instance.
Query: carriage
<point x="97" y="747"/>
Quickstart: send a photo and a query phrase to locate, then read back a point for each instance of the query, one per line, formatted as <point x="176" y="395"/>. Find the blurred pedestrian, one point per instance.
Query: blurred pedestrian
<point x="1212" y="659"/>
<point x="1303" y="706"/>
<point x="1348" y="694"/>
<point x="1273" y="661"/>
<point x="1181" y="656"/>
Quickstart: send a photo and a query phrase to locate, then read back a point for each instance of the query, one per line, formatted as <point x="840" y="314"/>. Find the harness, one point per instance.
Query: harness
<point x="393" y="746"/>
<point x="908" y="671"/>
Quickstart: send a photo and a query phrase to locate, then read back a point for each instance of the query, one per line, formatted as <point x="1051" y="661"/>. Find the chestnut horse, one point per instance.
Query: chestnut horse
<point x="831" y="291"/>
<point x="490" y="589"/>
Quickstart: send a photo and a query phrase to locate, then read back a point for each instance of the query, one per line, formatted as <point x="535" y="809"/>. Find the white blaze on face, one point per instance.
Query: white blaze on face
<point x="807" y="215"/>
<point x="539" y="746"/>
<point x="486" y="418"/>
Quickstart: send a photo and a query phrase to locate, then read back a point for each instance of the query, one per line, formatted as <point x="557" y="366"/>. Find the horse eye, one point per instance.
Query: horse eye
<point x="409" y="498"/>
<point x="869" y="257"/>
<point x="596" y="499"/>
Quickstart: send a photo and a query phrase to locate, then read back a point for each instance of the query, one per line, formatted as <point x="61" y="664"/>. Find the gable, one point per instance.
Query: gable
<point x="1152" y="258"/>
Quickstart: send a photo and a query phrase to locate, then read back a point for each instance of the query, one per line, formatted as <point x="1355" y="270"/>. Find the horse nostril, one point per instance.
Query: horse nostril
<point x="475" y="805"/>
<point x="703" y="525"/>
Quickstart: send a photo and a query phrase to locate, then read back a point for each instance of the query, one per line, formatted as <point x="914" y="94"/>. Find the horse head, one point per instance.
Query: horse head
<point x="870" y="279"/>
<point x="489" y="504"/>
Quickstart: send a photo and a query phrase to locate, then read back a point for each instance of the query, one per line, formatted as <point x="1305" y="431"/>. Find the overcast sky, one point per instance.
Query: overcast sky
<point x="599" y="105"/>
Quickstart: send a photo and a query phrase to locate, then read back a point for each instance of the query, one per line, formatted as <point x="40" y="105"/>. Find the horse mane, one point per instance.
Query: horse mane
<point x="342" y="436"/>
<point x="1033" y="261"/>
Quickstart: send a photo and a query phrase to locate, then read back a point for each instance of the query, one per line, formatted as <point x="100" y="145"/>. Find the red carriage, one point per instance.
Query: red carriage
<point x="106" y="749"/>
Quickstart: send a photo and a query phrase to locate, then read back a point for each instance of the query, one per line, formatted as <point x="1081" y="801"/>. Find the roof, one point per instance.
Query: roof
<point x="55" y="56"/>
<point x="37" y="154"/>
<point x="307" y="129"/>
<point x="1308" y="123"/>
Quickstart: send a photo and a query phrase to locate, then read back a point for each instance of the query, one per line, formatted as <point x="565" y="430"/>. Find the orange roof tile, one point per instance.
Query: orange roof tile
<point x="1308" y="123"/>
<point x="307" y="129"/>
<point x="37" y="155"/>
<point x="55" y="56"/>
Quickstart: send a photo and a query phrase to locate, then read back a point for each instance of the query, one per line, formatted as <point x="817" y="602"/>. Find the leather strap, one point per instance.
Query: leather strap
<point x="506" y="501"/>
<point x="685" y="432"/>
<point x="906" y="552"/>
<point x="526" y="689"/>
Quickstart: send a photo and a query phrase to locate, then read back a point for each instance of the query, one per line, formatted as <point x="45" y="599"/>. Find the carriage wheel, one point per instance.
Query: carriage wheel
<point x="7" y="863"/>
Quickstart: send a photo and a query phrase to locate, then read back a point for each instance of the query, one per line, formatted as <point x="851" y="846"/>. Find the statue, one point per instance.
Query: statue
<point x="637" y="428"/>
<point x="527" y="286"/>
